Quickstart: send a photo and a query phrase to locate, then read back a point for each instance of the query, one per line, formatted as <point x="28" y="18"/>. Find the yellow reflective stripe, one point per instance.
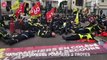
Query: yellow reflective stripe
<point x="89" y="28"/>
<point x="41" y="25"/>
<point x="64" y="24"/>
<point x="35" y="24"/>
<point x="81" y="36"/>
<point x="38" y="32"/>
<point x="99" y="27"/>
<point x="2" y="25"/>
<point x="42" y="33"/>
<point x="27" y="9"/>
<point x="89" y="36"/>
<point x="1" y="33"/>
<point x="30" y="23"/>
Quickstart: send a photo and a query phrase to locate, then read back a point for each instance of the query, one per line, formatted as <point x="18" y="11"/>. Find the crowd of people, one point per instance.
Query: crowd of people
<point x="23" y="28"/>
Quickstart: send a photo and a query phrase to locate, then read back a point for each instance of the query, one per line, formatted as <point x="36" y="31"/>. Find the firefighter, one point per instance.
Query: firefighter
<point x="45" y="32"/>
<point x="75" y="37"/>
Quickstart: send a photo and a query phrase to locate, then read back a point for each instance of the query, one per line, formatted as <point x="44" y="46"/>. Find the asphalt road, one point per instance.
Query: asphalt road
<point x="38" y="41"/>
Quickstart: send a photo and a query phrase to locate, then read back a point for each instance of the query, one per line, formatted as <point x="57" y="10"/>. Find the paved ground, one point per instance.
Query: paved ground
<point x="37" y="41"/>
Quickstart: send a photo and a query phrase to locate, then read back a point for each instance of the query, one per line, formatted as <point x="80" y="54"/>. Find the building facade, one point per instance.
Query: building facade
<point x="78" y="3"/>
<point x="11" y="2"/>
<point x="97" y="5"/>
<point x="55" y="3"/>
<point x="103" y="6"/>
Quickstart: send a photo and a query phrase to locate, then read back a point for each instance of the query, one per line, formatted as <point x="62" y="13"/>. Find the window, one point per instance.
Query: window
<point x="8" y="3"/>
<point x="20" y="0"/>
<point x="8" y="7"/>
<point x="37" y="0"/>
<point x="79" y="2"/>
<point x="102" y="0"/>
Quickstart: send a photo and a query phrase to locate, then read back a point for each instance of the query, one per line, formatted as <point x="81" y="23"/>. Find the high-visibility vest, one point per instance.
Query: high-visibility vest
<point x="36" y="24"/>
<point x="89" y="36"/>
<point x="81" y="36"/>
<point x="38" y="33"/>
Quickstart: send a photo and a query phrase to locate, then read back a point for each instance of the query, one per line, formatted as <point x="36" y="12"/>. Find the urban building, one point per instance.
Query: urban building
<point x="97" y="5"/>
<point x="76" y="3"/>
<point x="102" y="5"/>
<point x="55" y="3"/>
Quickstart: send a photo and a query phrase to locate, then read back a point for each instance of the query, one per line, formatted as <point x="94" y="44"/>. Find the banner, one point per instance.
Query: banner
<point x="15" y="5"/>
<point x="38" y="52"/>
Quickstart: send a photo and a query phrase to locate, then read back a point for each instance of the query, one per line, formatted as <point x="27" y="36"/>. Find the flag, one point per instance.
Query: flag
<point x="38" y="3"/>
<point x="52" y="11"/>
<point x="77" y="18"/>
<point x="50" y="14"/>
<point x="35" y="10"/>
<point x="15" y="5"/>
<point x="20" y="9"/>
